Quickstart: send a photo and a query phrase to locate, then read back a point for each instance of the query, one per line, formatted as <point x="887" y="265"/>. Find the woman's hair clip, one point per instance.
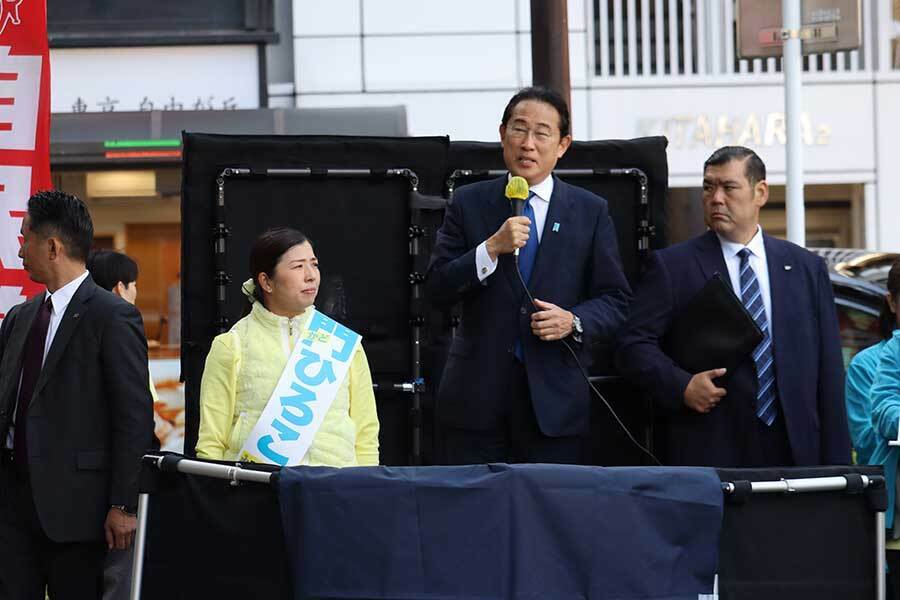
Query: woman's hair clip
<point x="248" y="288"/>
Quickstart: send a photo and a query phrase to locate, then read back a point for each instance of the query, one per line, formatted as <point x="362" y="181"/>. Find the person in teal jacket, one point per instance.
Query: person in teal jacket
<point x="886" y="416"/>
<point x="861" y="375"/>
<point x="885" y="399"/>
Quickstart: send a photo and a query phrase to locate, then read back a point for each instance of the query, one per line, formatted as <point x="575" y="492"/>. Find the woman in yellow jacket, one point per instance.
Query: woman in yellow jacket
<point x="243" y="365"/>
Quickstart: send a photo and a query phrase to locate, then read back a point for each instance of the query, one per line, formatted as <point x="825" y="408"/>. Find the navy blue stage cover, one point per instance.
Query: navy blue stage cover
<point x="501" y="531"/>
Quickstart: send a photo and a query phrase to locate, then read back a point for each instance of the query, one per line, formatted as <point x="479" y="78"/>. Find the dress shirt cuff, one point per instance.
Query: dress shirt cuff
<point x="484" y="266"/>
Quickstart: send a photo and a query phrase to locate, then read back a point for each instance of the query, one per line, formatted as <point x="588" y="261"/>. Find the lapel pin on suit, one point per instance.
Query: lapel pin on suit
<point x="787" y="267"/>
<point x="76" y="315"/>
<point x="555" y="226"/>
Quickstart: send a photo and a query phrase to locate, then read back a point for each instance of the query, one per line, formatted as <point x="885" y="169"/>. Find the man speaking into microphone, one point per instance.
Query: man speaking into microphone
<point x="511" y="390"/>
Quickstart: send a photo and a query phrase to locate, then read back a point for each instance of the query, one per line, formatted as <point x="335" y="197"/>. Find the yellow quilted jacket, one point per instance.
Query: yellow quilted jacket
<point x="242" y="369"/>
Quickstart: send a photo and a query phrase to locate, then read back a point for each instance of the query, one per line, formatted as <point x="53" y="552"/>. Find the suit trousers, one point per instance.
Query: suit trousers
<point x="30" y="562"/>
<point x="755" y="443"/>
<point x="519" y="438"/>
<point x="117" y="574"/>
<point x="766" y="445"/>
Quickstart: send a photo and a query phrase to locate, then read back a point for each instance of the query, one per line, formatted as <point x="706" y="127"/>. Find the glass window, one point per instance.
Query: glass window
<point x="859" y="330"/>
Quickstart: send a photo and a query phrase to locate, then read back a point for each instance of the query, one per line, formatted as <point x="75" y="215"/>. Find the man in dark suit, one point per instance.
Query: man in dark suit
<point x="75" y="414"/>
<point x="784" y="404"/>
<point x="511" y="390"/>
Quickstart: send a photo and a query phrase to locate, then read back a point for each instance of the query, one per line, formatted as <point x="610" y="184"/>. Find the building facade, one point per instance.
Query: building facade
<point x="637" y="67"/>
<point x="128" y="76"/>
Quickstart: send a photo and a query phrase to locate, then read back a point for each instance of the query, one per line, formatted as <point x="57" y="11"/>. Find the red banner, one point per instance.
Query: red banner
<point x="24" y="134"/>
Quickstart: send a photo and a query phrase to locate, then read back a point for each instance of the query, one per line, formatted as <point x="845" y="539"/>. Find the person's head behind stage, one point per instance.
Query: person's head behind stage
<point x="285" y="271"/>
<point x="534" y="133"/>
<point x="57" y="235"/>
<point x="115" y="272"/>
<point x="889" y="320"/>
<point x="734" y="191"/>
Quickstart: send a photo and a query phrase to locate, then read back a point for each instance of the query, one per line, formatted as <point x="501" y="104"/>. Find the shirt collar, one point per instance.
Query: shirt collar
<point x="60" y="298"/>
<point x="755" y="245"/>
<point x="268" y="318"/>
<point x="542" y="190"/>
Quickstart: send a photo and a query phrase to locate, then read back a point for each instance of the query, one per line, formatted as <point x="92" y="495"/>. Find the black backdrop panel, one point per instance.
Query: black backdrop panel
<point x="359" y="229"/>
<point x="209" y="539"/>
<point x="623" y="194"/>
<point x="802" y="546"/>
<point x="207" y="155"/>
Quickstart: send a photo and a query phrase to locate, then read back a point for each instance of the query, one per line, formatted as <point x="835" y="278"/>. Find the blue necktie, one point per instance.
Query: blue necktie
<point x="528" y="253"/>
<point x="751" y="296"/>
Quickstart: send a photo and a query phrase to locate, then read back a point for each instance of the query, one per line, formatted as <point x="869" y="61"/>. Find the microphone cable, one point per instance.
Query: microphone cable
<point x="587" y="378"/>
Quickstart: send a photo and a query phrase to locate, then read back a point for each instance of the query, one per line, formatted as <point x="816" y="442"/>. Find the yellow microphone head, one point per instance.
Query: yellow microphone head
<point x="517" y="188"/>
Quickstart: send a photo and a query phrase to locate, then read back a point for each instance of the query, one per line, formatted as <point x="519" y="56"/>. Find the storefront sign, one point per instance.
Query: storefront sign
<point x="836" y="125"/>
<point x="713" y="131"/>
<point x="223" y="77"/>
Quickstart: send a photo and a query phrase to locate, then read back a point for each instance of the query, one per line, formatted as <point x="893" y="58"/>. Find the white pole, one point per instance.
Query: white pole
<point x="793" y="71"/>
<point x="870" y="216"/>
<point x="880" y="583"/>
<point x="140" y="543"/>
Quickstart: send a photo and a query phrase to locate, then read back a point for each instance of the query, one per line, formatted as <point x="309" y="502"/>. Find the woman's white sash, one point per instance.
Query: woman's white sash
<point x="305" y="391"/>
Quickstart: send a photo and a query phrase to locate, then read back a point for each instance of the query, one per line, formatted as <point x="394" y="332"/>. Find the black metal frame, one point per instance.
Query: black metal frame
<point x="645" y="229"/>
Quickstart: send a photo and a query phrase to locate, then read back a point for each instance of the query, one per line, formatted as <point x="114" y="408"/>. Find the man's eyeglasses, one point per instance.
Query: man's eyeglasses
<point x="520" y="133"/>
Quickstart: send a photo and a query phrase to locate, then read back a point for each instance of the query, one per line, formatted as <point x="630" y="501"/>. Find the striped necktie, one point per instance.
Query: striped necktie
<point x="763" y="358"/>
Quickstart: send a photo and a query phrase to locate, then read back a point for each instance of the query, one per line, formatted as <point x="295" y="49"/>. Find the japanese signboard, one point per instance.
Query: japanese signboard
<point x="24" y="134"/>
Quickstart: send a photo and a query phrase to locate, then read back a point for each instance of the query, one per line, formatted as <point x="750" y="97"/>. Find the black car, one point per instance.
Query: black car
<point x="859" y="279"/>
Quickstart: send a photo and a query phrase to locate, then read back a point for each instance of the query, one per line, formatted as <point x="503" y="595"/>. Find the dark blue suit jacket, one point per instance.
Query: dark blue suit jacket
<point x="808" y="364"/>
<point x="577" y="268"/>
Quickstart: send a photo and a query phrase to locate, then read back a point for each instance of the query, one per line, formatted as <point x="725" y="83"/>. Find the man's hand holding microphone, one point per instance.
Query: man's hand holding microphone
<point x="549" y="322"/>
<point x="514" y="232"/>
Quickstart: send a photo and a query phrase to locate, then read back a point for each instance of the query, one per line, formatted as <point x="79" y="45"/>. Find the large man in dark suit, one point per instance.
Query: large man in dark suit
<point x="75" y="414"/>
<point x="511" y="390"/>
<point x="784" y="404"/>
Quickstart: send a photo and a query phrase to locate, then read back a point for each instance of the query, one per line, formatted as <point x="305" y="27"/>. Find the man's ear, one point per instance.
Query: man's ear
<point x="54" y="247"/>
<point x="761" y="193"/>
<point x="564" y="144"/>
<point x="118" y="289"/>
<point x="892" y="302"/>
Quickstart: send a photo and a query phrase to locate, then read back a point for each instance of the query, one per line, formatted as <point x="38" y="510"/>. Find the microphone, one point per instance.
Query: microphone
<point x="517" y="192"/>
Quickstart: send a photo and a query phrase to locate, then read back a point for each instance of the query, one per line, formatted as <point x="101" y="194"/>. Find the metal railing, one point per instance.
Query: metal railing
<point x="683" y="39"/>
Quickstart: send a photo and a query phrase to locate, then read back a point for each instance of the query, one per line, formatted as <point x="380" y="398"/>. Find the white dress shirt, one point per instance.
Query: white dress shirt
<point x="758" y="263"/>
<point x="540" y="203"/>
<point x="59" y="302"/>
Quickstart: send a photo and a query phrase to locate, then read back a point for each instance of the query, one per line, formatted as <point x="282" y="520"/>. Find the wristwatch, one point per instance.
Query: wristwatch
<point x="577" y="330"/>
<point x="131" y="511"/>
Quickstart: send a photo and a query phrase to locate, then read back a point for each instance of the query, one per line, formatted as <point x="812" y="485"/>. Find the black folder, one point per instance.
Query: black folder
<point x="715" y="330"/>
